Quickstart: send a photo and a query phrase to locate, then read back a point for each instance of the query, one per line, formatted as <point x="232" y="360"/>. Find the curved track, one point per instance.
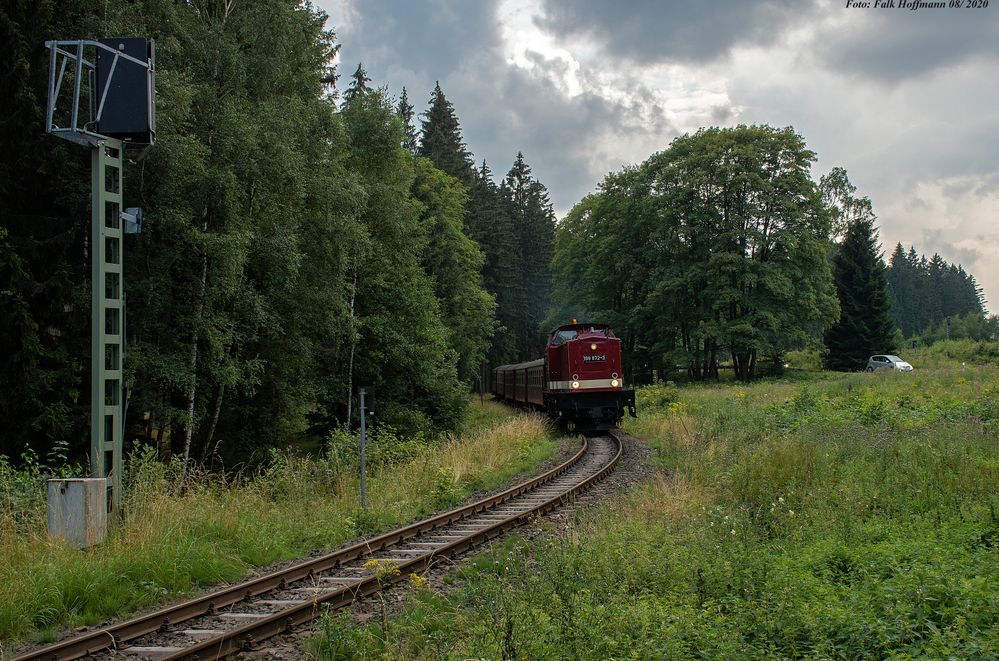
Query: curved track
<point x="238" y="617"/>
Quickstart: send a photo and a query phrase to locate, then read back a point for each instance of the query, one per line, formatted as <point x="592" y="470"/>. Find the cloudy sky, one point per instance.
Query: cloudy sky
<point x="906" y="100"/>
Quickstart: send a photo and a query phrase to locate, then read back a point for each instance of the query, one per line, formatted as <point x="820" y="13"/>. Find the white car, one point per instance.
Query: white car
<point x="887" y="362"/>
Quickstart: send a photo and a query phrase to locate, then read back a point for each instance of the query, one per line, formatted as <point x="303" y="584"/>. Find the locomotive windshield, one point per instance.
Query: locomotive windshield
<point x="563" y="335"/>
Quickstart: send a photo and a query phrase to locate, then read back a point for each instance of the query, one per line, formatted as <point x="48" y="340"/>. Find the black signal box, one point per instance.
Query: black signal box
<point x="125" y="91"/>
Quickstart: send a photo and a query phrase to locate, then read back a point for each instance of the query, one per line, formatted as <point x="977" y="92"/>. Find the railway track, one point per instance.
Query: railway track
<point x="239" y="617"/>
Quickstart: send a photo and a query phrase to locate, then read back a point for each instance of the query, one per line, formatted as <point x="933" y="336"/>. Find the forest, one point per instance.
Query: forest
<point x="306" y="233"/>
<point x="302" y="236"/>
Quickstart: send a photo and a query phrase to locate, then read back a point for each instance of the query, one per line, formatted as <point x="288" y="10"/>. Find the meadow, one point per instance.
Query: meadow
<point x="183" y="529"/>
<point x="817" y="516"/>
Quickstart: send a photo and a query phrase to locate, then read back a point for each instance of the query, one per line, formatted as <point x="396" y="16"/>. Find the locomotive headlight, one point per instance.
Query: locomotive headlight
<point x="614" y="383"/>
<point x="593" y="347"/>
<point x="575" y="384"/>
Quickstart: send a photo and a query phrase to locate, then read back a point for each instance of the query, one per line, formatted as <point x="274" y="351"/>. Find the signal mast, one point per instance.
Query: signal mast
<point x="101" y="95"/>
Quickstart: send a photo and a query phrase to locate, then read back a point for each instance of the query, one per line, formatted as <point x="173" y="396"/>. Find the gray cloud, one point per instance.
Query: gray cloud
<point x="903" y="100"/>
<point x="426" y="38"/>
<point x="502" y="109"/>
<point x="939" y="241"/>
<point x="656" y="31"/>
<point x="894" y="45"/>
<point x="559" y="136"/>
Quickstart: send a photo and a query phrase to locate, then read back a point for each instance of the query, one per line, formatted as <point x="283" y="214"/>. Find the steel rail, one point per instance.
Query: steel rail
<point x="113" y="637"/>
<point x="242" y="638"/>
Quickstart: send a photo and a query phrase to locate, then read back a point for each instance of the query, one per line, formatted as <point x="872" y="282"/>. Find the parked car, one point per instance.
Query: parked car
<point x="887" y="363"/>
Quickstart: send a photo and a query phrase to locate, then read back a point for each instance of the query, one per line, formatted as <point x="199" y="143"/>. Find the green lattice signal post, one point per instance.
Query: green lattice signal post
<point x="108" y="316"/>
<point x="118" y="111"/>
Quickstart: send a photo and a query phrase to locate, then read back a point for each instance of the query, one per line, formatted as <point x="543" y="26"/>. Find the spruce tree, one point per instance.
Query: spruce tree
<point x="405" y="110"/>
<point x="534" y="227"/>
<point x="358" y="84"/>
<point x="490" y="226"/>
<point x="441" y="140"/>
<point x="865" y="326"/>
<point x="904" y="287"/>
<point x="928" y="291"/>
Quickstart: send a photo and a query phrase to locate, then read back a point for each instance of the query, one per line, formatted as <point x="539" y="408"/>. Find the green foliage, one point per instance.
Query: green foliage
<point x="454" y="263"/>
<point x="447" y="490"/>
<point x="946" y="352"/>
<point x="532" y="221"/>
<point x="491" y="227"/>
<point x="717" y="245"/>
<point x="865" y="326"/>
<point x="184" y="527"/>
<point x="658" y="396"/>
<point x="845" y="209"/>
<point x="403" y="347"/>
<point x="974" y="325"/>
<point x="43" y="188"/>
<point x="865" y="528"/>
<point x="929" y="295"/>
<point x="23" y="488"/>
<point x="291" y="250"/>
<point x="405" y="110"/>
<point x="383" y="446"/>
<point x="337" y="639"/>
<point x="805" y="359"/>
<point x="441" y="141"/>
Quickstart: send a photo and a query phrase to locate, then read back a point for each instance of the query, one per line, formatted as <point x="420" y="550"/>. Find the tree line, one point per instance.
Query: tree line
<point x="300" y="242"/>
<point x="297" y="242"/>
<point x="723" y="249"/>
<point x="927" y="292"/>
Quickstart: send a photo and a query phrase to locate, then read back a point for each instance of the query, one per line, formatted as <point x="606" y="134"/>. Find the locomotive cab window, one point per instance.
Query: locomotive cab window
<point x="563" y="336"/>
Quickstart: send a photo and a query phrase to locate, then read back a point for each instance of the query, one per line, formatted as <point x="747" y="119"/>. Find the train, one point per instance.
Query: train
<point x="579" y="382"/>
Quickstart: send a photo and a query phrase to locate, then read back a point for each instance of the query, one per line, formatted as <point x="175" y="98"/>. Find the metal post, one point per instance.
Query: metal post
<point x="364" y="487"/>
<point x="107" y="327"/>
<point x="107" y="321"/>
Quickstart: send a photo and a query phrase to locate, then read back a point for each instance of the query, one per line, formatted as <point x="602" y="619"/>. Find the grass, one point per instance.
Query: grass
<point x="969" y="352"/>
<point x="178" y="534"/>
<point x="822" y="516"/>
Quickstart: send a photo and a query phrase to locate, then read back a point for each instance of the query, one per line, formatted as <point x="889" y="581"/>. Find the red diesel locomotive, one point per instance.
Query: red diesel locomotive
<point x="579" y="382"/>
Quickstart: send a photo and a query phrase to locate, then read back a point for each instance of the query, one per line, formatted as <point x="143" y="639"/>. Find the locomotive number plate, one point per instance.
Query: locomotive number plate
<point x="594" y="359"/>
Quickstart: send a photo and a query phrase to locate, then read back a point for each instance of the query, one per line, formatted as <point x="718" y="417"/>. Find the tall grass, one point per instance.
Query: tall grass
<point x="944" y="352"/>
<point x="839" y="516"/>
<point x="181" y="532"/>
